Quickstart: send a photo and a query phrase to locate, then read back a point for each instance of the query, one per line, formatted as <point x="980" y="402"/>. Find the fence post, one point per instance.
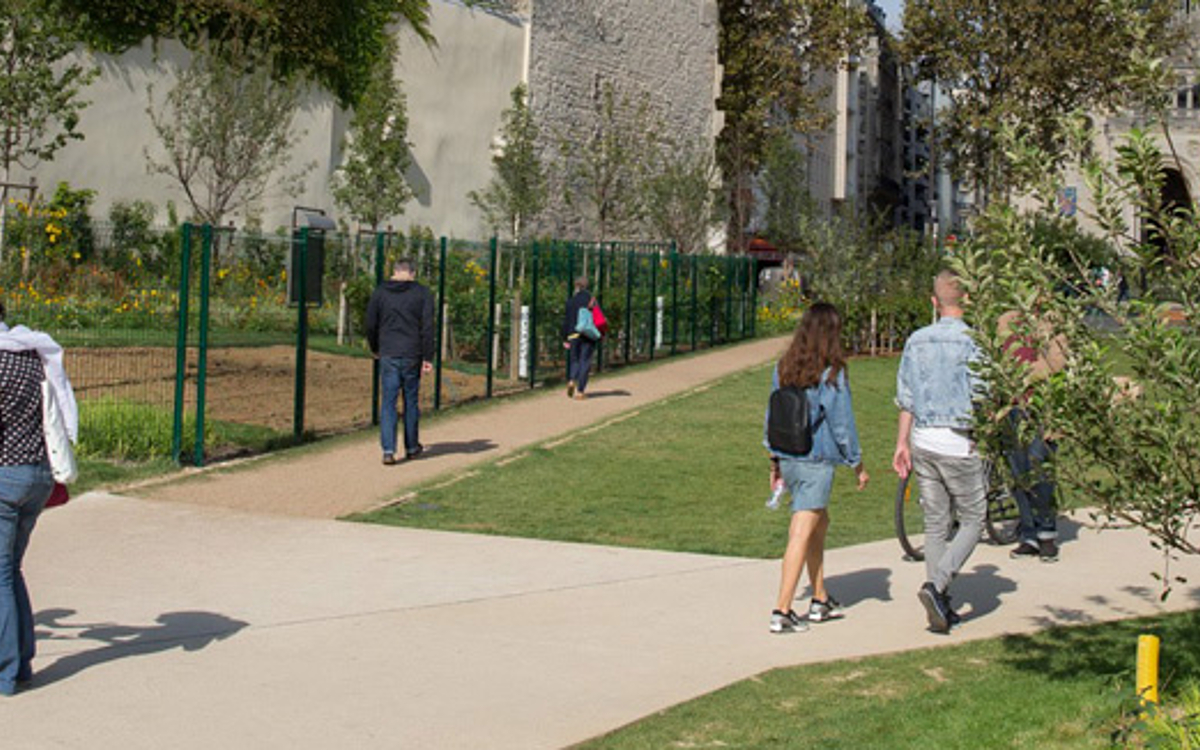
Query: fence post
<point x="491" y="315"/>
<point x="754" y="297"/>
<point x="301" y="332"/>
<point x="652" y="328"/>
<point x="202" y="358"/>
<point x="571" y="290"/>
<point x="729" y="267"/>
<point x="533" y="316"/>
<point x="695" y="297"/>
<point x="601" y="272"/>
<point x="185" y="263"/>
<point x="674" y="298"/>
<point x="629" y="256"/>
<point x="441" y="322"/>
<point x="380" y="238"/>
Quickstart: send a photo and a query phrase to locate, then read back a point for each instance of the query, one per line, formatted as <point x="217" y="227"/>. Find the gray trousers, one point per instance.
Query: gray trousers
<point x="949" y="486"/>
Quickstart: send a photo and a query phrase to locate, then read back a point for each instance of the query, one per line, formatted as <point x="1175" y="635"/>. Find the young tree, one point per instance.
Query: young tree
<point x="604" y="176"/>
<point x="225" y="129"/>
<point x="1123" y="409"/>
<point x="1026" y="64"/>
<point x="771" y="51"/>
<point x="790" y="207"/>
<point x="516" y="193"/>
<point x="682" y="195"/>
<point x="371" y="184"/>
<point x="41" y="92"/>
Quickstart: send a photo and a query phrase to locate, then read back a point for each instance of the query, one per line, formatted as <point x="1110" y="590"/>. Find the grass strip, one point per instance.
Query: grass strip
<point x="1060" y="688"/>
<point x="685" y="474"/>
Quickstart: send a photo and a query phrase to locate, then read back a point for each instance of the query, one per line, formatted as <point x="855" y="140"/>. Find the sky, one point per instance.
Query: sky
<point x="894" y="9"/>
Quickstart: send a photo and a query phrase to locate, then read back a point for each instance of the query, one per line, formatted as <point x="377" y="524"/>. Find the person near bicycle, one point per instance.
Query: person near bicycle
<point x="935" y="390"/>
<point x="1042" y="353"/>
<point x="814" y="362"/>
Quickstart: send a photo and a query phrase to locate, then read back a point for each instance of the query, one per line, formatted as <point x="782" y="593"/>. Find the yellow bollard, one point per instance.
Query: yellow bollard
<point x="1147" y="668"/>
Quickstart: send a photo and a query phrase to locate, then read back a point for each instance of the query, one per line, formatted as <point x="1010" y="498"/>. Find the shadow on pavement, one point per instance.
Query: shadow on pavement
<point x="981" y="589"/>
<point x="481" y="445"/>
<point x="859" y="586"/>
<point x="188" y="630"/>
<point x="608" y="394"/>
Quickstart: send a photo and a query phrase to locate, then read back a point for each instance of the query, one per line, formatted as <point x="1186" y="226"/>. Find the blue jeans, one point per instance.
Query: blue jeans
<point x="23" y="493"/>
<point x="579" y="359"/>
<point x="399" y="374"/>
<point x="1033" y="487"/>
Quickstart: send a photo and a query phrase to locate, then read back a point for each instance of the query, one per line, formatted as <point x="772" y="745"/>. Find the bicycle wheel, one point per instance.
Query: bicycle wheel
<point x="1003" y="516"/>
<point x="909" y="519"/>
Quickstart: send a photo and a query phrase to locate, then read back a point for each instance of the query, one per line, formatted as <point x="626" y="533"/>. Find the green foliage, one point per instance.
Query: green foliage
<point x="111" y="428"/>
<point x="225" y="129"/>
<point x="511" y="202"/>
<point x="1130" y="449"/>
<point x="371" y="184"/>
<point x="40" y="99"/>
<point x="336" y="44"/>
<point x="1026" y="64"/>
<point x="771" y="51"/>
<point x="790" y="208"/>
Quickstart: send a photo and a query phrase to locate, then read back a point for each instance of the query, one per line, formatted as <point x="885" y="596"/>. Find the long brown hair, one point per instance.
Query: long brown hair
<point x="816" y="345"/>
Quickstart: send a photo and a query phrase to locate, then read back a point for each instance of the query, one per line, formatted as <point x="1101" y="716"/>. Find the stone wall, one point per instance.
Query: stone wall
<point x="663" y="49"/>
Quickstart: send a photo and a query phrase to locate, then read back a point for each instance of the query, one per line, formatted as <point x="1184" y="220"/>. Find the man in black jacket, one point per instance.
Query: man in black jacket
<point x="579" y="349"/>
<point x="400" y="325"/>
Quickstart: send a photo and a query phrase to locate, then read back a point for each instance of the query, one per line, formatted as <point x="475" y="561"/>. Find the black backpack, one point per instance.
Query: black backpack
<point x="789" y="428"/>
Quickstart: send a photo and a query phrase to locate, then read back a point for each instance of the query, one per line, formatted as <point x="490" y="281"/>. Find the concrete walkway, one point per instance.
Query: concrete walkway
<point x="335" y="481"/>
<point x="198" y="624"/>
<point x="178" y="626"/>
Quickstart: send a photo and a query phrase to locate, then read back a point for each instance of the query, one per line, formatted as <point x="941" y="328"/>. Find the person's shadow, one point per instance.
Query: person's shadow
<point x="981" y="590"/>
<point x="188" y="630"/>
<point x="858" y="586"/>
<point x="482" y="445"/>
<point x="617" y="392"/>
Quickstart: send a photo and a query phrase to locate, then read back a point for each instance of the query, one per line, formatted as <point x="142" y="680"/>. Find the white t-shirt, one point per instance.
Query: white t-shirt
<point x="944" y="441"/>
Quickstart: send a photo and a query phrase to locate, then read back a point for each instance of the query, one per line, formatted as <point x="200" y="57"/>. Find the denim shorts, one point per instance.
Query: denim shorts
<point x="808" y="482"/>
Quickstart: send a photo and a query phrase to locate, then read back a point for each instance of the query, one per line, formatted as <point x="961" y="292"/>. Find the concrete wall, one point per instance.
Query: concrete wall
<point x="666" y="49"/>
<point x="455" y="92"/>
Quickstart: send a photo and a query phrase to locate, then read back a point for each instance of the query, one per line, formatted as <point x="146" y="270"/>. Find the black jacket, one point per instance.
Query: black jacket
<point x="574" y="305"/>
<point x="400" y="321"/>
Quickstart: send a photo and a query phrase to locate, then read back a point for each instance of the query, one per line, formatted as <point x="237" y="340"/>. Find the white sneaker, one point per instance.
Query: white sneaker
<point x="787" y="622"/>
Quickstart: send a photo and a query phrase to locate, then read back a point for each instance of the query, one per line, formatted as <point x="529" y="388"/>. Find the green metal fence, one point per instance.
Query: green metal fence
<point x="202" y="343"/>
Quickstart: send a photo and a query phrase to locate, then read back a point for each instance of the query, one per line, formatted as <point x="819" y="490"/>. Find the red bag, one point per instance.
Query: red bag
<point x="58" y="496"/>
<point x="599" y="319"/>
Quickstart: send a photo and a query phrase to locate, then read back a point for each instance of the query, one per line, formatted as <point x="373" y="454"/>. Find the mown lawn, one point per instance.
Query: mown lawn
<point x="1060" y="688"/>
<point x="687" y="474"/>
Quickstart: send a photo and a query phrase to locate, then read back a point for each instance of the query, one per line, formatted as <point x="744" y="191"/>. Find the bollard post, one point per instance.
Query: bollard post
<point x="1147" y="668"/>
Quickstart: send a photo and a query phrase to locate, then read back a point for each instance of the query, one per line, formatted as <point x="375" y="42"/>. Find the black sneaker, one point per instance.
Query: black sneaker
<point x="1047" y="550"/>
<point x="824" y="611"/>
<point x="935" y="609"/>
<point x="388" y="459"/>
<point x="415" y="452"/>
<point x="787" y="622"/>
<point x="1024" y="551"/>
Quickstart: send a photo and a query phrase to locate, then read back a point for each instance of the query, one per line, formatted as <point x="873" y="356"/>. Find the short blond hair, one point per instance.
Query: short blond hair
<point x="947" y="289"/>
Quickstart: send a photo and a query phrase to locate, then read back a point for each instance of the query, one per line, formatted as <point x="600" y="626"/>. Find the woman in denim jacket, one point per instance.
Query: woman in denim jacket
<point x="814" y="361"/>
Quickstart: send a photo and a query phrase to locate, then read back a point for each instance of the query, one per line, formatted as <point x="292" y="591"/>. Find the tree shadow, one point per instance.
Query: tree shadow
<point x="481" y="445"/>
<point x="1108" y="649"/>
<point x="189" y="630"/>
<point x="859" y="586"/>
<point x="981" y="590"/>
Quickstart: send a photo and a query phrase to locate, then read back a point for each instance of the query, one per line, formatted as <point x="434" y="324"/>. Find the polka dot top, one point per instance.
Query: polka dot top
<point x="22" y="440"/>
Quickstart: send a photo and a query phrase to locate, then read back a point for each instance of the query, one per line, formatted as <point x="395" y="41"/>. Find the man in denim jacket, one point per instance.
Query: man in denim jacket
<point x="934" y="390"/>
